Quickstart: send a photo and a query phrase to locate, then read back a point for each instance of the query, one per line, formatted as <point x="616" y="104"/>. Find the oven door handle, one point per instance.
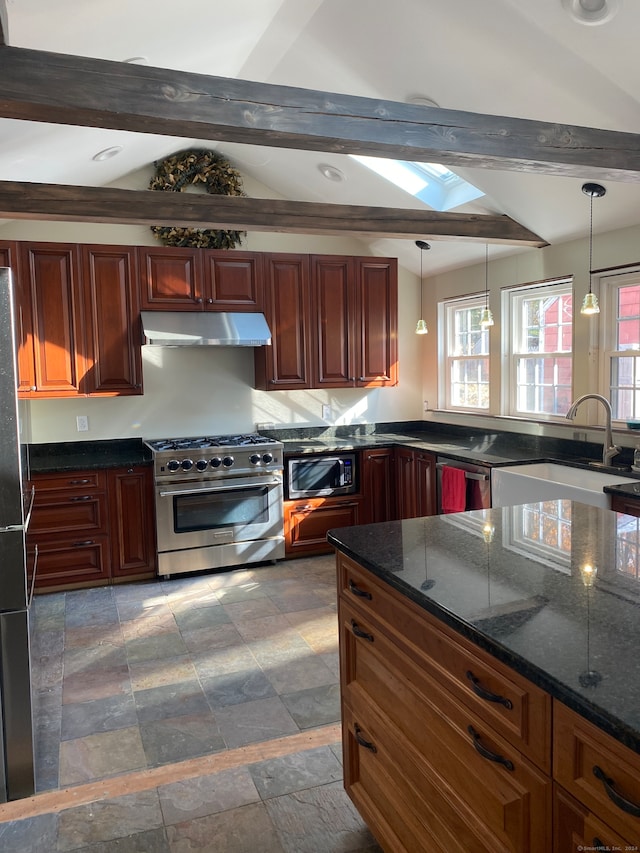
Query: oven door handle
<point x="216" y="488"/>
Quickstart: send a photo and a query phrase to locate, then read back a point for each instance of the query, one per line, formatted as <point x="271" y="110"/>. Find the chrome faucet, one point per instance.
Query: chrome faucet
<point x="609" y="449"/>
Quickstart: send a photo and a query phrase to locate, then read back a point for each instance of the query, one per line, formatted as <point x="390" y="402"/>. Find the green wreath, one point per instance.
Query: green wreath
<point x="175" y="174"/>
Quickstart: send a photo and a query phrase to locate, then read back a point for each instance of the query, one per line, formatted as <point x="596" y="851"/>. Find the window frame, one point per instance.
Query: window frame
<point x="446" y="313"/>
<point x="609" y="287"/>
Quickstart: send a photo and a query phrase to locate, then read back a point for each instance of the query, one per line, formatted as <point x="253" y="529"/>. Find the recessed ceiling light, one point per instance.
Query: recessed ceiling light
<point x="331" y="173"/>
<point x="107" y="153"/>
<point x="591" y="12"/>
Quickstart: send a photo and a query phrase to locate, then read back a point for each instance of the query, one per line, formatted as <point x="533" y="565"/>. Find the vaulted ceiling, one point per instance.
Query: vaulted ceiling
<point x="496" y="58"/>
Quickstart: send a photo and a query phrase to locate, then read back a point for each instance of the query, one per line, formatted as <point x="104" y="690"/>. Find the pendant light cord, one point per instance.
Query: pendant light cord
<point x="590" y="238"/>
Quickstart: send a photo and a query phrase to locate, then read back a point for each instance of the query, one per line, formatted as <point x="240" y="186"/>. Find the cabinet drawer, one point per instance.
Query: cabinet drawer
<point x="65" y="561"/>
<point x="597" y="770"/>
<point x="515" y="708"/>
<point x="575" y="828"/>
<point x="85" y="481"/>
<point x="487" y="779"/>
<point x="64" y="512"/>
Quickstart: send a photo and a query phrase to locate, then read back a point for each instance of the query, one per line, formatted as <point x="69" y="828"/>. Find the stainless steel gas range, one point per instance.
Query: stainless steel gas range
<point x="219" y="502"/>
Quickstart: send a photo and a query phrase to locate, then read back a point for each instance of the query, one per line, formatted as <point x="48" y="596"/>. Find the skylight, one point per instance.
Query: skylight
<point x="435" y="185"/>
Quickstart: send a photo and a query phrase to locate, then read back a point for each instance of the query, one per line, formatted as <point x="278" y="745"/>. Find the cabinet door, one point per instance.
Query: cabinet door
<point x="425" y="473"/>
<point x="377" y="314"/>
<point x="406" y="503"/>
<point x="575" y="828"/>
<point x="51" y="271"/>
<point x="132" y="522"/>
<point x="233" y="281"/>
<point x="306" y="523"/>
<point x="171" y="278"/>
<point x="333" y="313"/>
<point x="378" y="484"/>
<point x="24" y="320"/>
<point x="629" y="506"/>
<point x="77" y="561"/>
<point x="112" y="320"/>
<point x="286" y="363"/>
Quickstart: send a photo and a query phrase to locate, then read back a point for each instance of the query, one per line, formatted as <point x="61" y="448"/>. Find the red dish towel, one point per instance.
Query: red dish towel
<point x="454" y="489"/>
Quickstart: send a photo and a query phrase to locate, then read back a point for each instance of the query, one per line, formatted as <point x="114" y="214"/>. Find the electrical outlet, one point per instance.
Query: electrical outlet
<point x="425" y="405"/>
<point x="82" y="423"/>
<point x="326" y="412"/>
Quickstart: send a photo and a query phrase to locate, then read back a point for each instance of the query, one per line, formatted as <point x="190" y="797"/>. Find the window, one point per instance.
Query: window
<point x="538" y="349"/>
<point x="465" y="367"/>
<point x="620" y="327"/>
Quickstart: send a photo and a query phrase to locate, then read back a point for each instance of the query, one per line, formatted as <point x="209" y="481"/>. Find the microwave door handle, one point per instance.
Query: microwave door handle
<point x="341" y="468"/>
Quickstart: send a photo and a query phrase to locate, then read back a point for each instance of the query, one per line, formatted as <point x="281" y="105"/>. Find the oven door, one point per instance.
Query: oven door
<point x="240" y="509"/>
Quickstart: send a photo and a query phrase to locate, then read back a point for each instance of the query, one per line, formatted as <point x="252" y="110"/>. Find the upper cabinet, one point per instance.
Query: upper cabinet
<point x="177" y="279"/>
<point x="334" y="322"/>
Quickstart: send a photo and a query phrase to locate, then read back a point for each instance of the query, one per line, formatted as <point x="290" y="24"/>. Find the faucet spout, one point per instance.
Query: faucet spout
<point x="609" y="449"/>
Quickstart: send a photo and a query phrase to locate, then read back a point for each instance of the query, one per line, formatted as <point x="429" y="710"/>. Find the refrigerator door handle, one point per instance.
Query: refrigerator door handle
<point x="33" y="577"/>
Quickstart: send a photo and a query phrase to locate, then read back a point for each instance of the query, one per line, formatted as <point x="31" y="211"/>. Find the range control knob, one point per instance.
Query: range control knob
<point x="202" y="464"/>
<point x="173" y="465"/>
<point x="216" y="462"/>
<point x="187" y="464"/>
<point x="267" y="457"/>
<point x="227" y="461"/>
<point x="255" y="458"/>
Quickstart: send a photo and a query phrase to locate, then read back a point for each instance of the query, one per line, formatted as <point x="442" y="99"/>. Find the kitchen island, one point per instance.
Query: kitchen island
<point x="490" y="678"/>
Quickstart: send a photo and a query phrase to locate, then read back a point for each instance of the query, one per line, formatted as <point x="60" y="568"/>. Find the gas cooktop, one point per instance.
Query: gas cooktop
<point x="202" y="442"/>
<point x="207" y="457"/>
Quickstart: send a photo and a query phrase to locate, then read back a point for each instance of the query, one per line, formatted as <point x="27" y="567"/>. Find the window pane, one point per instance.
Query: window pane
<point x="470" y="383"/>
<point x="468" y="336"/>
<point x="625" y="387"/>
<point x="547" y="323"/>
<point x="543" y="385"/>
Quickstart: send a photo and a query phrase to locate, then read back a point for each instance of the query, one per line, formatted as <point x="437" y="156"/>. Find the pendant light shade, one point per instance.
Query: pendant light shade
<point x="590" y="301"/>
<point x="421" y="327"/>
<point x="486" y="318"/>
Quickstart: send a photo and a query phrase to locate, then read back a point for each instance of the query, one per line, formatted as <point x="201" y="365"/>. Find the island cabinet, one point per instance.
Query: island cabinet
<point x="629" y="506"/>
<point x="415" y="483"/>
<point x="444" y="747"/>
<point x="92" y="528"/>
<point x="183" y="279"/>
<point x="333" y="320"/>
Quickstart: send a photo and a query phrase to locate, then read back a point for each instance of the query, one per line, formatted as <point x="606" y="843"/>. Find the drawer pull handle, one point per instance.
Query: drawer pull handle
<point x="83" y="544"/>
<point x="357" y="630"/>
<point x="480" y="691"/>
<point x="361" y="593"/>
<point x="620" y="801"/>
<point x="79" y="482"/>
<point x="485" y="753"/>
<point x="80" y="498"/>
<point x="366" y="743"/>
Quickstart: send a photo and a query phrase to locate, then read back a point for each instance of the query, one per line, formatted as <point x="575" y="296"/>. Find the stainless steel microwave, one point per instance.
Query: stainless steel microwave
<point x="318" y="476"/>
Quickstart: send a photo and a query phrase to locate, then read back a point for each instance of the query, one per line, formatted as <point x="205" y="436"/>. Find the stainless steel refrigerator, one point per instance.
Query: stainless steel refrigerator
<point x="16" y="725"/>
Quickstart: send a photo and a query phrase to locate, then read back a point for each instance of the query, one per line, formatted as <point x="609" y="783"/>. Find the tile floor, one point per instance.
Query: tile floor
<point x="196" y="714"/>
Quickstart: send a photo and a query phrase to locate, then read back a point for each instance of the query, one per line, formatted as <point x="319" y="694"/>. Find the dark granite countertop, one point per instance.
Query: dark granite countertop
<point x="626" y="490"/>
<point x="522" y="597"/>
<point x="87" y="455"/>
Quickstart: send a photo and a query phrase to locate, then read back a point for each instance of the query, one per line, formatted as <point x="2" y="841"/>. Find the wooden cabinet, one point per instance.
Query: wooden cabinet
<point x="575" y="828"/>
<point x="333" y="320"/>
<point x="131" y="502"/>
<point x="112" y="321"/>
<point x="92" y="528"/>
<point x="181" y="279"/>
<point x="378" y="484"/>
<point x="10" y="257"/>
<point x="286" y="364"/>
<point x="431" y="760"/>
<point x="51" y="303"/>
<point x="415" y="483"/>
<point x="307" y="521"/>
<point x="629" y="506"/>
<point x="602" y="779"/>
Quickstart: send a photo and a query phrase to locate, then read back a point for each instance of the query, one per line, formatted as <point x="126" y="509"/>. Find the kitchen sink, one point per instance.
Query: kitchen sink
<point x="543" y="481"/>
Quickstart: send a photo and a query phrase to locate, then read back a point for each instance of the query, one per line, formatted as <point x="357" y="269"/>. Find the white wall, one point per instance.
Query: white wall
<point x="210" y="390"/>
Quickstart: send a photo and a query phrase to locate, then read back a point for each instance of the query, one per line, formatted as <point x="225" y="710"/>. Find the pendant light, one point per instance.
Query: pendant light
<point x="486" y="318"/>
<point x="590" y="301"/>
<point x="421" y="327"/>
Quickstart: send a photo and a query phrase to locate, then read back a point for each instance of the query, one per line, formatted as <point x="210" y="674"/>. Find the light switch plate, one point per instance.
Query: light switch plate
<point x="82" y="423"/>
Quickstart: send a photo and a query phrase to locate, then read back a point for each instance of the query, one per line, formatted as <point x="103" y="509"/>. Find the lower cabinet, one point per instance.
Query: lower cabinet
<point x="629" y="506"/>
<point x="306" y="523"/>
<point x="93" y="527"/>
<point x="377" y="476"/>
<point x="415" y="483"/>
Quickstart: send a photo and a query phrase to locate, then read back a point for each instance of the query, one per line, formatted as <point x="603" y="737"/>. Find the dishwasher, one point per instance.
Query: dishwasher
<point x="474" y="491"/>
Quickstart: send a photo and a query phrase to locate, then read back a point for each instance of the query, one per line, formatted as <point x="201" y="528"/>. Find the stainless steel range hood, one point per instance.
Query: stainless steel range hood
<point x="204" y="328"/>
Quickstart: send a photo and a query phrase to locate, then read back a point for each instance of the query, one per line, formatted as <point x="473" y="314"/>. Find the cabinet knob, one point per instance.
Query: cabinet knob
<point x="210" y="301"/>
<point x="33" y="388"/>
<point x="199" y="300"/>
<point x="129" y="470"/>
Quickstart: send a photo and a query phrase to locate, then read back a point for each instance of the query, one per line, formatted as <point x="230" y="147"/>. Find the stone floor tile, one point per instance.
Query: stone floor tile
<point x="101" y="755"/>
<point x="248" y="829"/>
<point x="234" y="688"/>
<point x="160" y="646"/>
<point x="296" y="600"/>
<point x="172" y="700"/>
<point x="99" y="715"/>
<point x="143" y="609"/>
<point x="150" y="841"/>
<point x="106" y="820"/>
<point x="194" y="618"/>
<point x="219" y="661"/>
<point x="250" y="608"/>
<point x="254" y="721"/>
<point x="290" y="676"/>
<point x="266" y="627"/>
<point x="316" y="706"/>
<point x="149" y="625"/>
<point x="84" y="637"/>
<point x="317" y="627"/>
<point x="295" y="772"/>
<point x="250" y="590"/>
<point x="205" y="795"/>
<point x="38" y="833"/>
<point x="157" y="673"/>
<point x="177" y="738"/>
<point x="95" y="684"/>
<point x="79" y="660"/>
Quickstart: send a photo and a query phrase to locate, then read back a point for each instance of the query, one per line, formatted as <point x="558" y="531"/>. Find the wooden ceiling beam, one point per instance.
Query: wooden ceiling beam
<point x="47" y="87"/>
<point x="20" y="200"/>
